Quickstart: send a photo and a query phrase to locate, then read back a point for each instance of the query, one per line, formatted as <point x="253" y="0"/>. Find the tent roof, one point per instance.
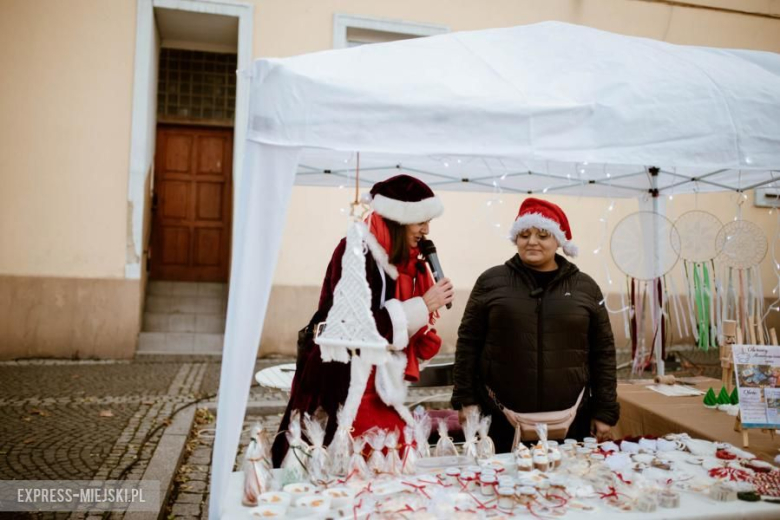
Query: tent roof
<point x="546" y="98"/>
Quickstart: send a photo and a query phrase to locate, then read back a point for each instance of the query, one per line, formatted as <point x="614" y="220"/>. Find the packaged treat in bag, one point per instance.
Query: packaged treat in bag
<point x="375" y="437"/>
<point x="470" y="428"/>
<point x="357" y="468"/>
<point x="294" y="463"/>
<point x="422" y="431"/>
<point x="485" y="447"/>
<point x="393" y="457"/>
<point x="256" y="467"/>
<point x="317" y="462"/>
<point x="409" y="452"/>
<point x="445" y="447"/>
<point x="340" y="448"/>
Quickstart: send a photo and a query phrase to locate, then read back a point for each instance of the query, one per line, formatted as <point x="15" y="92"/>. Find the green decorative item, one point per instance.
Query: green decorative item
<point x="723" y="396"/>
<point x="710" y="401"/>
<point x="734" y="399"/>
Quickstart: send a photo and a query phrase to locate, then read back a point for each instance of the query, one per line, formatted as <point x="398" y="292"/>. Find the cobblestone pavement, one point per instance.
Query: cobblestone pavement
<point x="81" y="420"/>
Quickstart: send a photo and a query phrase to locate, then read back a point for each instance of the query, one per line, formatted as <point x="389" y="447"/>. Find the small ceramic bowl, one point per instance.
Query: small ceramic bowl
<point x="298" y="489"/>
<point x="340" y="496"/>
<point x="279" y="498"/>
<point x="313" y="504"/>
<point x="268" y="511"/>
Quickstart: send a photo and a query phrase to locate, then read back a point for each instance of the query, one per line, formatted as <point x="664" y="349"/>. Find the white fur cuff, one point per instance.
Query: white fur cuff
<point x="416" y="314"/>
<point x="400" y="324"/>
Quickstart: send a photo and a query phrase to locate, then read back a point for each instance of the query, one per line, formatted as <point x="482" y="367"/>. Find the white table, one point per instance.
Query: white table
<point x="692" y="506"/>
<point x="279" y="377"/>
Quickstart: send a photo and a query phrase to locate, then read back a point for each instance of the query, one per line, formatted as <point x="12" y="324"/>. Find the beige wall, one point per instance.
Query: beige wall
<point x="66" y="104"/>
<point x="65" y="99"/>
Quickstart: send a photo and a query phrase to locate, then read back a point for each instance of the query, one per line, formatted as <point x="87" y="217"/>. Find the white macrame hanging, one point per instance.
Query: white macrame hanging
<point x="350" y="323"/>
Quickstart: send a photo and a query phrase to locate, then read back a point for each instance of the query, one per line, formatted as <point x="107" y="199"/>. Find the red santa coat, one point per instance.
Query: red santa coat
<point x="325" y="385"/>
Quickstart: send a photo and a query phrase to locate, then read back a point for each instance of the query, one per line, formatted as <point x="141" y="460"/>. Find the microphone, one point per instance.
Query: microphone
<point x="536" y="292"/>
<point x="428" y="250"/>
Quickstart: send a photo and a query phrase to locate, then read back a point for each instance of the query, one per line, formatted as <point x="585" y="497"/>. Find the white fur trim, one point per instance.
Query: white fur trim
<point x="400" y="324"/>
<point x="539" y="221"/>
<point x="392" y="386"/>
<point x="416" y="314"/>
<point x="408" y="212"/>
<point x="359" y="371"/>
<point x="379" y="253"/>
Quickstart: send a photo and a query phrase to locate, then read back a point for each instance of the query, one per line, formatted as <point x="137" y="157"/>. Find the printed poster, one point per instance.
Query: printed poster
<point x="758" y="382"/>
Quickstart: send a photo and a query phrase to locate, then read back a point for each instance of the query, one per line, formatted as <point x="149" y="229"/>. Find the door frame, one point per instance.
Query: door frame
<point x="144" y="114"/>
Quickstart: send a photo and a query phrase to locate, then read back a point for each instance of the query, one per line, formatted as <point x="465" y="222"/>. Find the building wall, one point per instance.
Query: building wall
<point x="66" y="98"/>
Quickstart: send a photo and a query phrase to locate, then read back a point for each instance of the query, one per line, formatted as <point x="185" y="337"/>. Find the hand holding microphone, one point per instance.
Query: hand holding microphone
<point x="443" y="292"/>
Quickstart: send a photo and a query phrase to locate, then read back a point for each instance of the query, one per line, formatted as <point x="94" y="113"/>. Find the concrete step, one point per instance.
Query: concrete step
<point x="186" y="343"/>
<point x="183" y="304"/>
<point x="162" y="288"/>
<point x="183" y="322"/>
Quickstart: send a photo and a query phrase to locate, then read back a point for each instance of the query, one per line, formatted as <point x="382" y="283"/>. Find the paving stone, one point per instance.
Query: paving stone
<point x="186" y="509"/>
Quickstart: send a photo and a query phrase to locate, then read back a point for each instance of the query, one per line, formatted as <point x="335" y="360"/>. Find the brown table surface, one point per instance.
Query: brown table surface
<point x="645" y="412"/>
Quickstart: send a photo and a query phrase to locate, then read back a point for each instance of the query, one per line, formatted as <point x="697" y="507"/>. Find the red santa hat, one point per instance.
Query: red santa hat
<point x="405" y="200"/>
<point x="541" y="214"/>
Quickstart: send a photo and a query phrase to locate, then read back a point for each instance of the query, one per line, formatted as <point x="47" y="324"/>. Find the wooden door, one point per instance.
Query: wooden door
<point x="192" y="204"/>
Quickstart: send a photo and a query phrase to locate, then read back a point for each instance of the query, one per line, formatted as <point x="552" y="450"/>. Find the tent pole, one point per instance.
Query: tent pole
<point x="659" y="208"/>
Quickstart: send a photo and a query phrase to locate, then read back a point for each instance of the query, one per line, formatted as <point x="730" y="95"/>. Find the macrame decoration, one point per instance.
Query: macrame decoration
<point x="350" y="334"/>
<point x="696" y="243"/>
<point x="640" y="247"/>
<point x="350" y="323"/>
<point x="743" y="245"/>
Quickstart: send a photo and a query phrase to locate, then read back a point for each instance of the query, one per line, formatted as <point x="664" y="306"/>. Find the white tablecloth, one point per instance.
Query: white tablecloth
<point x="692" y="506"/>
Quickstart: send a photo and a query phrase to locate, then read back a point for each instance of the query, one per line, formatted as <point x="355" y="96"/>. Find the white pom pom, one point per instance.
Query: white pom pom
<point x="570" y="249"/>
<point x="366" y="198"/>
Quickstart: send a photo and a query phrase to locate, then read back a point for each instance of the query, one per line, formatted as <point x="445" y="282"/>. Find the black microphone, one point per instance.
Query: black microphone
<point x="429" y="252"/>
<point x="536" y="292"/>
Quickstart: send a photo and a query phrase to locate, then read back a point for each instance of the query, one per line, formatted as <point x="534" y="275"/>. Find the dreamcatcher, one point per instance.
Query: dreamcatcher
<point x="742" y="247"/>
<point x="696" y="243"/>
<point x="640" y="249"/>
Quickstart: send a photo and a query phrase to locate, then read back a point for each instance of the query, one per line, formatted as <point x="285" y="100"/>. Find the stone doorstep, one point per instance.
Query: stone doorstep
<point x="179" y="343"/>
<point x="166" y="460"/>
<point x="181" y="322"/>
<point x="163" y="288"/>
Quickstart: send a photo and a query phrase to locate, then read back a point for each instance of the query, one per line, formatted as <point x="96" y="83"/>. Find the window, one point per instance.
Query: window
<point x="196" y="86"/>
<point x="352" y="31"/>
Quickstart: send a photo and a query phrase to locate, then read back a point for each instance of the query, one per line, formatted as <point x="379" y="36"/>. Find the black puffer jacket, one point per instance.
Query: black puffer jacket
<point x="536" y="349"/>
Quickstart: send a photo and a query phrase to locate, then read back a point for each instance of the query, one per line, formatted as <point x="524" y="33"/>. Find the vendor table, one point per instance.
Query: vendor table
<point x="692" y="506"/>
<point x="645" y="412"/>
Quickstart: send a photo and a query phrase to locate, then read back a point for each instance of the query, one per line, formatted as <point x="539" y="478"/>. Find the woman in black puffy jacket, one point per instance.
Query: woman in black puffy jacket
<point x="536" y="333"/>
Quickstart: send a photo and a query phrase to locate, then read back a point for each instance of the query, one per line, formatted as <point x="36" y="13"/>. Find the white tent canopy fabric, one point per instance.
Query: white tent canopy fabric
<point x="542" y="108"/>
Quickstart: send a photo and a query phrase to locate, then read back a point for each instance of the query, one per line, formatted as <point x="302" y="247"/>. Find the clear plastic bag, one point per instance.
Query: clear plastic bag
<point x="422" y="432"/>
<point x="486" y="448"/>
<point x="444" y="447"/>
<point x="256" y="466"/>
<point x="409" y="452"/>
<point x="393" y="458"/>
<point x="317" y="462"/>
<point x="294" y="463"/>
<point x="470" y="428"/>
<point x="340" y="448"/>
<point x="375" y="437"/>
<point x="358" y="469"/>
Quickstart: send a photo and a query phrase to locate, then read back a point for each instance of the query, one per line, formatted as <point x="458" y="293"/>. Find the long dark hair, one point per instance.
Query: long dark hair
<point x="399" y="249"/>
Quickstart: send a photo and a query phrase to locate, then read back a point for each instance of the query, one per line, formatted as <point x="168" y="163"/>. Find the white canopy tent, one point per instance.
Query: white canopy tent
<point x="543" y="108"/>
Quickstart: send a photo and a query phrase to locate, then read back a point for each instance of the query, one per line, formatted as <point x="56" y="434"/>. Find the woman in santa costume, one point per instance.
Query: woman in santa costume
<point x="403" y="301"/>
<point x="535" y="335"/>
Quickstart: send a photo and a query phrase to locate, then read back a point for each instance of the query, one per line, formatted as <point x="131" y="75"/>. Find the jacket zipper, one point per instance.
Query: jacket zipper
<point x="539" y="353"/>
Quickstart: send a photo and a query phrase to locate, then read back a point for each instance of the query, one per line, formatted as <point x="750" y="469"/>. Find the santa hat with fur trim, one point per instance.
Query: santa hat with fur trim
<point x="405" y="200"/>
<point x="541" y="214"/>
